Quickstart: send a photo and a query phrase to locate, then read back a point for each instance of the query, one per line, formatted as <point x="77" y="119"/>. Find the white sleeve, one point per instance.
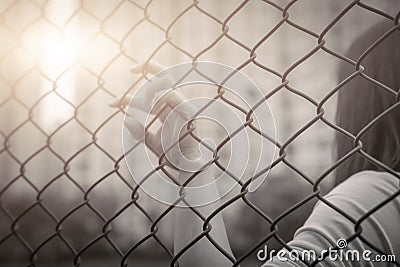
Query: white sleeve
<point x="325" y="226"/>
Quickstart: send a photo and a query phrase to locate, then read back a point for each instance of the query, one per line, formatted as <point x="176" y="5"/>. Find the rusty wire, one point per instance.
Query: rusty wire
<point x="78" y="254"/>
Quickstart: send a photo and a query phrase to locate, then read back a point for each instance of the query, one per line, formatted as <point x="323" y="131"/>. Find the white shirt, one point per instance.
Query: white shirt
<point x="325" y="226"/>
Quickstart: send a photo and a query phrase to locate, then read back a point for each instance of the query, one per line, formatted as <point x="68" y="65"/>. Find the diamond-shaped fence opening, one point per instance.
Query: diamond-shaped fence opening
<point x="68" y="196"/>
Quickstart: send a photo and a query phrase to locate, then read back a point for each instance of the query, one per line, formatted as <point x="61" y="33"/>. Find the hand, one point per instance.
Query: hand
<point x="174" y="138"/>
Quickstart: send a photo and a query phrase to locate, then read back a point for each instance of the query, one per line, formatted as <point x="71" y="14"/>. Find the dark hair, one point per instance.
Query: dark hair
<point x="360" y="101"/>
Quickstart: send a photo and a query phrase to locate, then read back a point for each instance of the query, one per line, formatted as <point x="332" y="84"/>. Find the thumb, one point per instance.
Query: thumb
<point x="135" y="128"/>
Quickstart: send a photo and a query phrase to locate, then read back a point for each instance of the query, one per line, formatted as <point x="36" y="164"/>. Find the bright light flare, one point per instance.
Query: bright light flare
<point x="57" y="58"/>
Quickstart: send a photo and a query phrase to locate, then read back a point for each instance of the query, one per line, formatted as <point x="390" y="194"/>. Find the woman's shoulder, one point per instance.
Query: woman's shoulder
<point x="355" y="197"/>
<point x="375" y="174"/>
<point x="370" y="179"/>
<point x="359" y="193"/>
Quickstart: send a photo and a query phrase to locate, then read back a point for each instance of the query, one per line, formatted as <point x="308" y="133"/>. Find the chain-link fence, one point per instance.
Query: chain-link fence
<point x="66" y="194"/>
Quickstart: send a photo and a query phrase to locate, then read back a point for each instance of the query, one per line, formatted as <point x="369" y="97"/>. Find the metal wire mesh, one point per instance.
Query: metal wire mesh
<point x="60" y="147"/>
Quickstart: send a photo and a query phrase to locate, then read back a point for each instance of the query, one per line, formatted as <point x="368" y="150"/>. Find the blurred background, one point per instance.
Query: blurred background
<point x="65" y="191"/>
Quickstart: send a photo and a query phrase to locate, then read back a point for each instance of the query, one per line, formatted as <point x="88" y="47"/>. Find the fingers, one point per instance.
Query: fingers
<point x="155" y="87"/>
<point x="151" y="67"/>
<point x="159" y="84"/>
<point x="176" y="102"/>
<point x="153" y="96"/>
<point x="121" y="101"/>
<point x="156" y="93"/>
<point x="136" y="129"/>
<point x="153" y="141"/>
<point x="171" y="139"/>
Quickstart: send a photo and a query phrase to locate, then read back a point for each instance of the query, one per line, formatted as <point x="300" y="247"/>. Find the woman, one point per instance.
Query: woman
<point x="348" y="218"/>
<point x="360" y="101"/>
<point x="352" y="216"/>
